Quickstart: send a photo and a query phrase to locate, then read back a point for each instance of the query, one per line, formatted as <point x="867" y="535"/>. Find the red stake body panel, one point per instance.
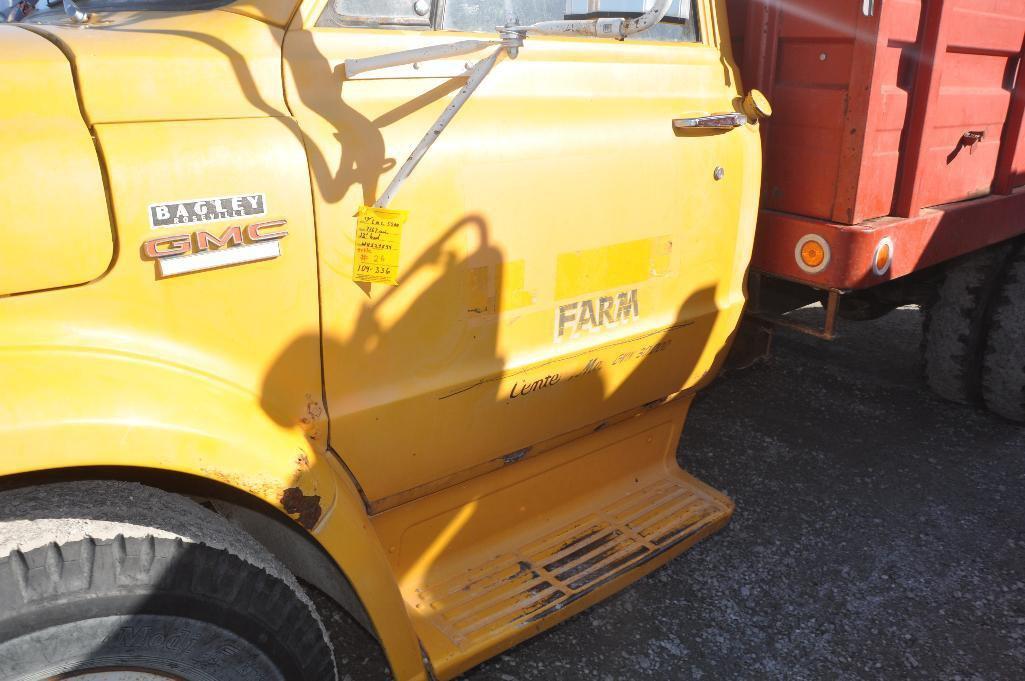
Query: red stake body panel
<point x="885" y="109"/>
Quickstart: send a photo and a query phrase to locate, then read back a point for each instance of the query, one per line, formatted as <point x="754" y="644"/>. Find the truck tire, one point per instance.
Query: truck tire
<point x="1003" y="363"/>
<point x="104" y="577"/>
<point x="954" y="325"/>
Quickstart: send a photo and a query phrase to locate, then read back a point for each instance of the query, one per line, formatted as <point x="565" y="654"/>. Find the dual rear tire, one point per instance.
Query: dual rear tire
<point x="1003" y="360"/>
<point x="974" y="332"/>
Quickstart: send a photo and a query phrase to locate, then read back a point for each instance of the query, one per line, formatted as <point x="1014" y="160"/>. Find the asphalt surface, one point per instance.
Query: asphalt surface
<point x="879" y="534"/>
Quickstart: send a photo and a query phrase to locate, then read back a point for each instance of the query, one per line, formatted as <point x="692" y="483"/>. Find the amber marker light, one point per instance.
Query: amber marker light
<point x="812" y="253"/>
<point x="883" y="257"/>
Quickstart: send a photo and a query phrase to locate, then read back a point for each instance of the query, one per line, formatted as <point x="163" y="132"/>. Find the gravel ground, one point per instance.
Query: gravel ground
<point x="879" y="534"/>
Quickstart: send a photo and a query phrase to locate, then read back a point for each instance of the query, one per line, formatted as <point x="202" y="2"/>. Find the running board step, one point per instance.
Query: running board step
<point x="493" y="560"/>
<point x="524" y="587"/>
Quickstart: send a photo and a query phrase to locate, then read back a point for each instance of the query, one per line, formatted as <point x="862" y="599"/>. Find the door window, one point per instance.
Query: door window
<point x="679" y="25"/>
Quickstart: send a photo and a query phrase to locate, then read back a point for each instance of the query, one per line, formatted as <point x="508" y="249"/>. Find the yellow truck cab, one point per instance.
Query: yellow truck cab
<point x="228" y="362"/>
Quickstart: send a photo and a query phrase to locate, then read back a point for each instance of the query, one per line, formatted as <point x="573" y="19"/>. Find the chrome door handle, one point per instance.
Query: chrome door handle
<point x="721" y="120"/>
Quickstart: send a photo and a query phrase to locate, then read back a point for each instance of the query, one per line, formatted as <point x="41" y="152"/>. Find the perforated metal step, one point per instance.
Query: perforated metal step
<point x="523" y="587"/>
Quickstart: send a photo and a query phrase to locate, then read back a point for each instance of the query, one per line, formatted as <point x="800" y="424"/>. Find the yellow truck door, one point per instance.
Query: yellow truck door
<point x="569" y="256"/>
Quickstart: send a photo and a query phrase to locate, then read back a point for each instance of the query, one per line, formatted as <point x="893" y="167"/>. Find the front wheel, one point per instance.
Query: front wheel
<point x="111" y="580"/>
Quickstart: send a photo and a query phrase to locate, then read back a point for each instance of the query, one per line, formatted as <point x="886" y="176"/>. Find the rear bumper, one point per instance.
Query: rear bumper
<point x="935" y="235"/>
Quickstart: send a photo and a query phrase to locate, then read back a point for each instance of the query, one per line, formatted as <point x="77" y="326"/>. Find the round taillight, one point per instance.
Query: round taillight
<point x="812" y="253"/>
<point x="883" y="256"/>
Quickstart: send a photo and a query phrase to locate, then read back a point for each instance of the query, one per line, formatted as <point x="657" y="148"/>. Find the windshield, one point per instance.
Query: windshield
<point x="14" y="10"/>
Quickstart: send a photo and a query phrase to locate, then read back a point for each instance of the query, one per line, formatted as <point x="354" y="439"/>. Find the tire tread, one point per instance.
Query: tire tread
<point x="954" y="325"/>
<point x="37" y="582"/>
<point x="1003" y="364"/>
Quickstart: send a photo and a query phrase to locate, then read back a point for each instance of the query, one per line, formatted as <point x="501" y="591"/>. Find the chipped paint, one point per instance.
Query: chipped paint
<point x="312" y="418"/>
<point x="518" y="455"/>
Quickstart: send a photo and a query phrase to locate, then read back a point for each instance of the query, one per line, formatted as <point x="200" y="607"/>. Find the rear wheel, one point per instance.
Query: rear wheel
<point x="1003" y="364"/>
<point x="109" y="580"/>
<point x="955" y="324"/>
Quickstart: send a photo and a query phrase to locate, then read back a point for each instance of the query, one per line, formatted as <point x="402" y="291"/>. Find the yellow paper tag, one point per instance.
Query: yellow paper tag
<point x="378" y="245"/>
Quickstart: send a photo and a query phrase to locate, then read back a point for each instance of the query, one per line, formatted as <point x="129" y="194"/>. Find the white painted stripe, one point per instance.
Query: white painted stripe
<point x="237" y="255"/>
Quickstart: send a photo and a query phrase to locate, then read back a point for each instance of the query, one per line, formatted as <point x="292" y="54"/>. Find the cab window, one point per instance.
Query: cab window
<point x="381" y="13"/>
<point x="679" y="25"/>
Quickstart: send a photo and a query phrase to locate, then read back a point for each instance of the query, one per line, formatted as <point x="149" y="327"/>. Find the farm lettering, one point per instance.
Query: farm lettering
<point x="596" y="314"/>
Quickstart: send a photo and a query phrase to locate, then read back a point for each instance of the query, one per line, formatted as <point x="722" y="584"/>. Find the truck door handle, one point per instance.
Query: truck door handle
<point x="720" y="120"/>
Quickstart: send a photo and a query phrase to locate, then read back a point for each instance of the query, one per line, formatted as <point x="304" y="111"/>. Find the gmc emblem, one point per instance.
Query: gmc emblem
<point x="202" y="241"/>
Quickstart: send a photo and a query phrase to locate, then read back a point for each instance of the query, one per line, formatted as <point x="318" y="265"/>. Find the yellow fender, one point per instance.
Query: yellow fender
<point x="123" y="410"/>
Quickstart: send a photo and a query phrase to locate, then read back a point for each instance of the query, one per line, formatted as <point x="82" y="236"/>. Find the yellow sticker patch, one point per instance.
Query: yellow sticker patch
<point x="617" y="266"/>
<point x="378" y="245"/>
<point x="498" y="288"/>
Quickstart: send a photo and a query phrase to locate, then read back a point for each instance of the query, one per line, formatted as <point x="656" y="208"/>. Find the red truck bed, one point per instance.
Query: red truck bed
<point x="898" y="131"/>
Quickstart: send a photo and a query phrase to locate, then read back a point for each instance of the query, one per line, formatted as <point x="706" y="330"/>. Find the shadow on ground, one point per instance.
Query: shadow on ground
<point x="879" y="533"/>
